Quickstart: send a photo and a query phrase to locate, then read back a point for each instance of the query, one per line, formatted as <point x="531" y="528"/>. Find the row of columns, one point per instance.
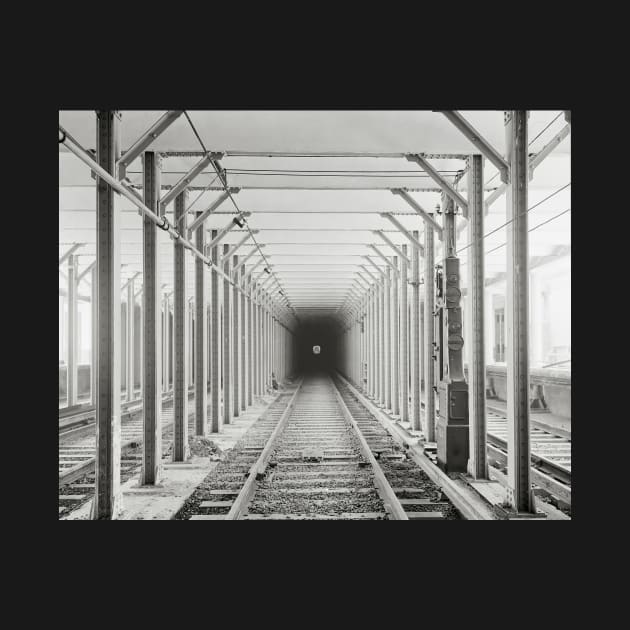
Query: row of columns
<point x="242" y="344"/>
<point x="375" y="335"/>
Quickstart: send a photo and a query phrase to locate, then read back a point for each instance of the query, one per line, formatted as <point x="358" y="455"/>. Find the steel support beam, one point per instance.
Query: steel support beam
<point x="387" y="348"/>
<point x="227" y="341"/>
<point x="244" y="333"/>
<point x="69" y="253"/>
<point x="159" y="127"/>
<point x="477" y="463"/>
<point x="429" y="338"/>
<point x="201" y="341"/>
<point x="535" y="160"/>
<point x="238" y="244"/>
<point x="152" y="333"/>
<point x="107" y="501"/>
<point x="184" y="182"/>
<point x="215" y="342"/>
<point x="388" y="262"/>
<point x="481" y="143"/>
<point x="415" y="336"/>
<point x="204" y="214"/>
<point x="395" y="344"/>
<point x="440" y="181"/>
<point x="404" y="340"/>
<point x="73" y="320"/>
<point x="428" y="218"/>
<point x="94" y="348"/>
<point x="395" y="247"/>
<point x="236" y="341"/>
<point x="130" y="341"/>
<point x="251" y="350"/>
<point x="246" y="258"/>
<point x="381" y="351"/>
<point x="520" y="493"/>
<point x="255" y="340"/>
<point x="414" y="241"/>
<point x="181" y="450"/>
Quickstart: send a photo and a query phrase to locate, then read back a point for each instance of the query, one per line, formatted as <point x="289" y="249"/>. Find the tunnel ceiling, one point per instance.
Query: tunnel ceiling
<point x="315" y="184"/>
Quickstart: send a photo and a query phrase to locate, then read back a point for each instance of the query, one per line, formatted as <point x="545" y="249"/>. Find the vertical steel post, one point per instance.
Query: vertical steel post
<point x="404" y="341"/>
<point x="517" y="308"/>
<point x="260" y="345"/>
<point x="373" y="342"/>
<point x="107" y="500"/>
<point x="477" y="463"/>
<point x="388" y="337"/>
<point x="395" y="345"/>
<point x="382" y="349"/>
<point x="73" y="313"/>
<point x="130" y="340"/>
<point x="166" y="384"/>
<point x="236" y="341"/>
<point x="151" y="351"/>
<point x="251" y="349"/>
<point x="201" y="342"/>
<point x="181" y="449"/>
<point x="429" y="348"/>
<point x="244" y="354"/>
<point x="416" y="332"/>
<point x="255" y="340"/>
<point x="227" y="339"/>
<point x="215" y="341"/>
<point x="94" y="352"/>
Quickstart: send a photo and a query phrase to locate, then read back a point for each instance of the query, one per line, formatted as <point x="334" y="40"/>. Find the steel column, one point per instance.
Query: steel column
<point x="227" y="340"/>
<point x="395" y="347"/>
<point x="94" y="349"/>
<point x="130" y="340"/>
<point x="404" y="340"/>
<point x="107" y="500"/>
<point x="244" y="353"/>
<point x="429" y="348"/>
<point x="73" y="320"/>
<point x="251" y="350"/>
<point x="255" y="340"/>
<point x="382" y="335"/>
<point x="387" y="350"/>
<point x="201" y="342"/>
<point x="477" y="463"/>
<point x="236" y="345"/>
<point x="517" y="307"/>
<point x="215" y="341"/>
<point x="152" y="337"/>
<point x="180" y="325"/>
<point x="416" y="332"/>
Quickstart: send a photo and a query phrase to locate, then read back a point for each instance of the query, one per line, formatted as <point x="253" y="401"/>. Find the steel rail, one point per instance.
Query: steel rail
<point x="392" y="502"/>
<point x="258" y="468"/>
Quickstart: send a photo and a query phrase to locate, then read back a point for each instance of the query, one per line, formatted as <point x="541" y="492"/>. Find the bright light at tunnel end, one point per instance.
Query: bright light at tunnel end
<point x="316" y="349"/>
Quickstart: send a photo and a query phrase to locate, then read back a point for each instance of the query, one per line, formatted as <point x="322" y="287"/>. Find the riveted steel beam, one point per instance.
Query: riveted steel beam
<point x="152" y="329"/>
<point x="480" y="142"/>
<point x="440" y="181"/>
<point x="143" y="142"/>
<point x="395" y="247"/>
<point x="204" y="214"/>
<point x="416" y="243"/>
<point x="419" y="209"/>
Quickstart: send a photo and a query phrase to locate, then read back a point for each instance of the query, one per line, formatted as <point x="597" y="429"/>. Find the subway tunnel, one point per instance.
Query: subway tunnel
<point x="315" y="295"/>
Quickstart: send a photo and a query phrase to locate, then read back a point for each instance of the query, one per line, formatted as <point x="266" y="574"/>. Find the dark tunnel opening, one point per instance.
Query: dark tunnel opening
<point x="317" y="333"/>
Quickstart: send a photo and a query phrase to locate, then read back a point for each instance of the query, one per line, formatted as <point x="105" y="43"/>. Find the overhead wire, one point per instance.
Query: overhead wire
<point x="239" y="211"/>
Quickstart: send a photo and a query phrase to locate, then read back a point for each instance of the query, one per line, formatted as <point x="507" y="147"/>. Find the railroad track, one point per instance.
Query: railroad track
<point x="550" y="454"/>
<point x="77" y="456"/>
<point x="317" y="454"/>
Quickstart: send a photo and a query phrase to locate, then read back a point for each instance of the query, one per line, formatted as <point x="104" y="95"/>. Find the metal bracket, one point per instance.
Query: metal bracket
<point x="439" y="180"/>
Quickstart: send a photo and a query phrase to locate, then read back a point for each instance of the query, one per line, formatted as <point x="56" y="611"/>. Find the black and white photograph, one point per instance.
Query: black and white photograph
<point x="314" y="314"/>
